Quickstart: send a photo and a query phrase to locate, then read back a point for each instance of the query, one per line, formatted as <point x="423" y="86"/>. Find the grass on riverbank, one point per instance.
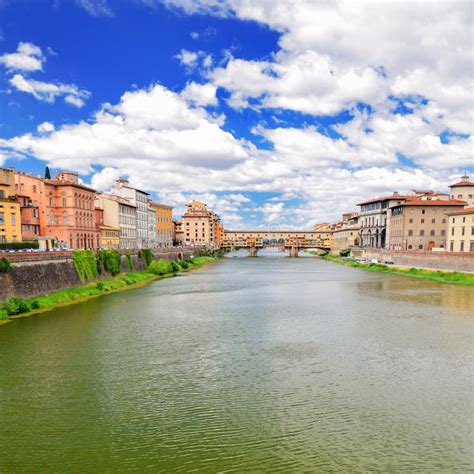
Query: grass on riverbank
<point x="454" y="278"/>
<point x="18" y="307"/>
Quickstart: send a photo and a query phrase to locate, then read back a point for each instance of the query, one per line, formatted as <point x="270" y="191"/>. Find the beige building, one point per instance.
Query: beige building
<point x="164" y="224"/>
<point x="420" y="224"/>
<point x="461" y="230"/>
<point x="346" y="235"/>
<point x="276" y="238"/>
<point x="201" y="226"/>
<point x="324" y="232"/>
<point x="178" y="233"/>
<point x="463" y="190"/>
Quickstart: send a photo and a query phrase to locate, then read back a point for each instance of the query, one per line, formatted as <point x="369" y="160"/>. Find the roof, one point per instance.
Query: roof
<point x="108" y="227"/>
<point x="385" y="198"/>
<point x="153" y="203"/>
<point x="439" y="202"/>
<point x="466" y="210"/>
<point x="461" y="183"/>
<point x="58" y="182"/>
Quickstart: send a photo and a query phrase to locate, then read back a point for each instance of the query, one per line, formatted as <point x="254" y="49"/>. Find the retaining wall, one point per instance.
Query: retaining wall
<point x="34" y="275"/>
<point x="455" y="261"/>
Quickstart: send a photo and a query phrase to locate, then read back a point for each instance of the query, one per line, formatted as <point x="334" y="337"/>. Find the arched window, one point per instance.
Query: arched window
<point x="432" y="232"/>
<point x="410" y="221"/>
<point x="64" y="200"/>
<point x="433" y="221"/>
<point x="420" y="247"/>
<point x="410" y="232"/>
<point x="64" y="218"/>
<point x="422" y="232"/>
<point x="422" y="221"/>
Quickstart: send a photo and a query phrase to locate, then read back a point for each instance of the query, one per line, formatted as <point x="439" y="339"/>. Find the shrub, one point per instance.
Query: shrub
<point x="15" y="306"/>
<point x="174" y="266"/>
<point x="184" y="265"/>
<point x="109" y="260"/>
<point x="160" y="267"/>
<point x="99" y="286"/>
<point x="344" y="252"/>
<point x="19" y="245"/>
<point x="35" y="304"/>
<point x="85" y="264"/>
<point x="5" y="265"/>
<point x="146" y="255"/>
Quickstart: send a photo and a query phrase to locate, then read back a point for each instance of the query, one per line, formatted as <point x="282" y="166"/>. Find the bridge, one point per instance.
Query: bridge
<point x="292" y="240"/>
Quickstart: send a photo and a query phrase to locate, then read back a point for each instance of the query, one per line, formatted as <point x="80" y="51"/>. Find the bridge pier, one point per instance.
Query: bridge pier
<point x="252" y="251"/>
<point x="294" y="251"/>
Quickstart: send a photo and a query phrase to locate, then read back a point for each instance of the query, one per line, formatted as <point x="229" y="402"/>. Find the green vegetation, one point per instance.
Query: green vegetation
<point x="47" y="173"/>
<point x="317" y="252"/>
<point x="5" y="265"/>
<point x="344" y="252"/>
<point x="109" y="260"/>
<point x="157" y="269"/>
<point x="146" y="255"/>
<point x="85" y="264"/>
<point x="455" y="278"/>
<point x="128" y="256"/>
<point x="19" y="245"/>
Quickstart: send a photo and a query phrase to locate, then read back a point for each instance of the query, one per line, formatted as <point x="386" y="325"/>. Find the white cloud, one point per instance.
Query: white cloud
<point x="200" y="94"/>
<point x="96" y="7"/>
<point x="45" y="127"/>
<point x="187" y="58"/>
<point x="28" y="57"/>
<point x="48" y="92"/>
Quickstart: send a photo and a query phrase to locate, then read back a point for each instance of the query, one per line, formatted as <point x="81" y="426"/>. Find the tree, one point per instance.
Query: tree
<point x="47" y="174"/>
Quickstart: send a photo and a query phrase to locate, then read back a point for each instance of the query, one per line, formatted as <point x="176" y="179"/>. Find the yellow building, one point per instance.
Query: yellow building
<point x="109" y="237"/>
<point x="165" y="231"/>
<point x="461" y="230"/>
<point x="10" y="215"/>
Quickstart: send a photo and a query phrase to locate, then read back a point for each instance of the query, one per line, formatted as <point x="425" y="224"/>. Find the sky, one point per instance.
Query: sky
<point x="277" y="113"/>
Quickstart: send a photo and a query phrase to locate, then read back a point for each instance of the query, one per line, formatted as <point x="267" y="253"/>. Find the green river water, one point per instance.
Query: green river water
<point x="245" y="365"/>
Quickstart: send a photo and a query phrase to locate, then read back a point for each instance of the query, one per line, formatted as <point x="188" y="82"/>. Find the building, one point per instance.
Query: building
<point x="420" y="224"/>
<point x="201" y="226"/>
<point x="461" y="230"/>
<point x="347" y="235"/>
<point x="324" y="231"/>
<point x="374" y="222"/>
<point x="151" y="226"/>
<point x="119" y="214"/>
<point x="10" y="213"/>
<point x="165" y="226"/>
<point x="463" y="190"/>
<point x="109" y="237"/>
<point x="178" y="233"/>
<point x="139" y="199"/>
<point x="66" y="212"/>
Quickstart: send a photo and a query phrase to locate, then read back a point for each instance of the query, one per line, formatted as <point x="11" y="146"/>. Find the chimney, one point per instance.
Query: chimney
<point x="395" y="193"/>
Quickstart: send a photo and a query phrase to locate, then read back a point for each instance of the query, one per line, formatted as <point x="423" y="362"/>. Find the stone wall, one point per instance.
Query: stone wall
<point x="37" y="276"/>
<point x="462" y="262"/>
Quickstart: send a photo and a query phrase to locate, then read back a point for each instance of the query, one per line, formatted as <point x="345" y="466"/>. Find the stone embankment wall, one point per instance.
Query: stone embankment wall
<point x="454" y="261"/>
<point x="39" y="274"/>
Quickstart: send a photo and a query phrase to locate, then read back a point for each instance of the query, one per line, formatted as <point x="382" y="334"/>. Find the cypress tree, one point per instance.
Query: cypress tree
<point x="47" y="174"/>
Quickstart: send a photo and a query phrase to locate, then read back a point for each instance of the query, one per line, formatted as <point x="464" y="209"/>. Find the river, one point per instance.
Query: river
<point x="245" y="365"/>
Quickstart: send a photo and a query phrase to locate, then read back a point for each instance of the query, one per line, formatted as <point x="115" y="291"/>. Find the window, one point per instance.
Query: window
<point x="422" y="211"/>
<point x="433" y="221"/>
<point x="411" y="221"/>
<point x="2" y="218"/>
<point x="420" y="247"/>
<point x="461" y="248"/>
<point x="472" y="230"/>
<point x="432" y="232"/>
<point x="410" y="247"/>
<point x="443" y="232"/>
<point x="463" y="230"/>
<point x="410" y="232"/>
<point x="63" y="194"/>
<point x="13" y="219"/>
<point x="451" y="246"/>
<point x="422" y="221"/>
<point x="452" y="231"/>
<point x="444" y="221"/>
<point x="422" y="232"/>
<point x="471" y="249"/>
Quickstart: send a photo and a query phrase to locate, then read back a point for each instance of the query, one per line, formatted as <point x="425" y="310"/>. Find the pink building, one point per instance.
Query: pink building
<point x="65" y="207"/>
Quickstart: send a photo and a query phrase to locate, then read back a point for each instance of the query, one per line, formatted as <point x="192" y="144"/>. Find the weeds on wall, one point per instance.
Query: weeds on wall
<point x="5" y="265"/>
<point x="128" y="256"/>
<point x="146" y="255"/>
<point x="109" y="260"/>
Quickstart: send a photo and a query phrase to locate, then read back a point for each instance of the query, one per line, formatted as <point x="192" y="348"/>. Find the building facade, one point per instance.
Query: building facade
<point x="139" y="199"/>
<point x="347" y="235"/>
<point x="463" y="190"/>
<point x="151" y="227"/>
<point x="165" y="226"/>
<point x="201" y="227"/>
<point x="420" y="224"/>
<point x="178" y="233"/>
<point x="10" y="213"/>
<point x="109" y="237"/>
<point x="461" y="230"/>
<point x="374" y="222"/>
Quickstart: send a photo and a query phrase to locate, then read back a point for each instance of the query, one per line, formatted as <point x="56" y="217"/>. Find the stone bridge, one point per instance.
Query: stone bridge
<point x="292" y="240"/>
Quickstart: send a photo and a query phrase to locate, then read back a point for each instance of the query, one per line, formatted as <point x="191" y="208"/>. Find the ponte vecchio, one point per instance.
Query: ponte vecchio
<point x="292" y="240"/>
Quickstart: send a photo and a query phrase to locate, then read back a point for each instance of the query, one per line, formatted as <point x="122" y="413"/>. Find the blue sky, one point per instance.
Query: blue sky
<point x="277" y="114"/>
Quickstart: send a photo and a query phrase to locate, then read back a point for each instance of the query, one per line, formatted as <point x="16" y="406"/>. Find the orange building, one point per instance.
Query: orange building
<point x="65" y="208"/>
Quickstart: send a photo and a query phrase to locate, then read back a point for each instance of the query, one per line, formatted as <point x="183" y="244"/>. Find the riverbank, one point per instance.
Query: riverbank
<point x="453" y="278"/>
<point x="14" y="308"/>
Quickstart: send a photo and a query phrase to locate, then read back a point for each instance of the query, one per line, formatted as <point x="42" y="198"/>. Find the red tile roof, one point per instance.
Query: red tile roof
<point x="461" y="183"/>
<point x="466" y="210"/>
<point x="385" y="198"/>
<point x="433" y="202"/>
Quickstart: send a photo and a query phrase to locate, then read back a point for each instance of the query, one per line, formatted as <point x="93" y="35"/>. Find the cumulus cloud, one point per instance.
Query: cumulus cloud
<point x="200" y="94"/>
<point x="48" y="92"/>
<point x="28" y="57"/>
<point x="45" y="127"/>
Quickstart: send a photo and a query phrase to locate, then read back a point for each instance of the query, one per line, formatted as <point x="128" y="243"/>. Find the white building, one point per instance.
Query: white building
<point x="139" y="199"/>
<point x="151" y="227"/>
